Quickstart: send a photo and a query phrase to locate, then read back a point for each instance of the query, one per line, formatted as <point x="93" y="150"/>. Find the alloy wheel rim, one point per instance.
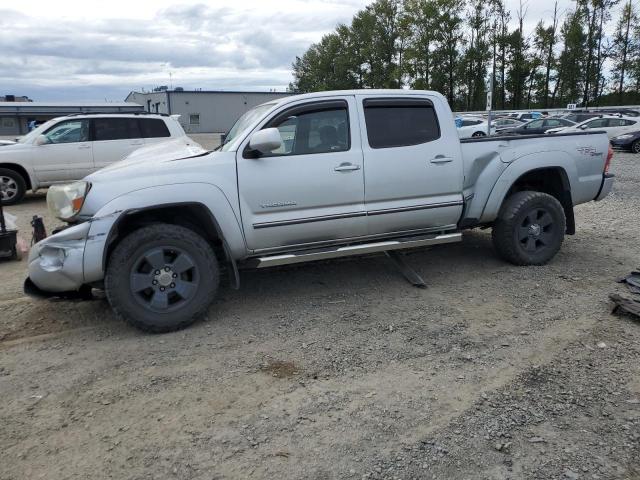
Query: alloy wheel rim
<point x="164" y="279"/>
<point x="8" y="188"/>
<point x="536" y="231"/>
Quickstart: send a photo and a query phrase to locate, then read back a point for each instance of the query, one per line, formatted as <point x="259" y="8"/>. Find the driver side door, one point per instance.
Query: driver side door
<point x="67" y="155"/>
<point x="310" y="190"/>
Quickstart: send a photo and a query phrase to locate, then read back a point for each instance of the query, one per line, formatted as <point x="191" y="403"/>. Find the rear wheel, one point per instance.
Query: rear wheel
<point x="530" y="228"/>
<point x="479" y="134"/>
<point x="635" y="146"/>
<point x="162" y="278"/>
<point x="12" y="186"/>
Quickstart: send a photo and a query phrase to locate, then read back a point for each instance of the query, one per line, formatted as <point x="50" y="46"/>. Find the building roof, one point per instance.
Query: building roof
<point x="54" y="108"/>
<point x="242" y="92"/>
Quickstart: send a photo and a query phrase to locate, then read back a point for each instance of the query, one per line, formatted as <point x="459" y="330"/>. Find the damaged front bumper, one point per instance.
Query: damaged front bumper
<point x="56" y="263"/>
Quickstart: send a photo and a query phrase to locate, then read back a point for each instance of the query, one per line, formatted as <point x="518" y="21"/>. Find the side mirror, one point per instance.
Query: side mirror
<point x="266" y="141"/>
<point x="41" y="140"/>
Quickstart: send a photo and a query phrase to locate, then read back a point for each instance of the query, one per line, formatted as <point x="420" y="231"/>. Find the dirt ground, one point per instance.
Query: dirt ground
<point x="342" y="370"/>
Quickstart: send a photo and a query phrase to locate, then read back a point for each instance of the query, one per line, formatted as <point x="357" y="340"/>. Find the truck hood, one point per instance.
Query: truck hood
<point x="178" y="148"/>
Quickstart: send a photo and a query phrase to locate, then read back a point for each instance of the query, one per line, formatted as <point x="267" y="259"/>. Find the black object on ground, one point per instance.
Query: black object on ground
<point x="409" y="273"/>
<point x="39" y="232"/>
<point x="633" y="282"/>
<point x="625" y="305"/>
<point x="8" y="238"/>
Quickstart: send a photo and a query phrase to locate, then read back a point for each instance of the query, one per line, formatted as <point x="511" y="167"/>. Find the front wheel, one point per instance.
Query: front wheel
<point x="162" y="278"/>
<point x="529" y="229"/>
<point x="635" y="146"/>
<point x="12" y="187"/>
<point x="479" y="134"/>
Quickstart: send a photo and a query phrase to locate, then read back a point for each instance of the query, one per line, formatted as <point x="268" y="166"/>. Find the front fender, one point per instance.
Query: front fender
<point x="517" y="169"/>
<point x="206" y="194"/>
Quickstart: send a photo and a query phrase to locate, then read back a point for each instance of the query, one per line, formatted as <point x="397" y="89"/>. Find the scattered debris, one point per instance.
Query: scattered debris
<point x="632" y="281"/>
<point x="625" y="305"/>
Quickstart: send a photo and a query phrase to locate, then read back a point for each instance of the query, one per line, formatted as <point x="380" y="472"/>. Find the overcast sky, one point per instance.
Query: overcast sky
<point x="88" y="50"/>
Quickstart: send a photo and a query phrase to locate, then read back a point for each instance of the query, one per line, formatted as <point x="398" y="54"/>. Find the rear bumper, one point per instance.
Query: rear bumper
<point x="607" y="186"/>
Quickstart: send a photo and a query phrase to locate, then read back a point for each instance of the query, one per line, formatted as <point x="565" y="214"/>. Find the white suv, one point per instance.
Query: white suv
<point x="70" y="148"/>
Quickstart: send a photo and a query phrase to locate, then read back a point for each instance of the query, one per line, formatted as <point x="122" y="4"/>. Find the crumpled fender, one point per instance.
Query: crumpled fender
<point x="206" y="194"/>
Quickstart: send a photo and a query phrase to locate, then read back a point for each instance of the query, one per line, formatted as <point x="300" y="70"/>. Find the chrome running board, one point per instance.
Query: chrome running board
<point x="361" y="249"/>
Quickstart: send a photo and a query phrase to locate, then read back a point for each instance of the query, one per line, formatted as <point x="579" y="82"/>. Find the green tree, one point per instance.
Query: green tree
<point x="623" y="48"/>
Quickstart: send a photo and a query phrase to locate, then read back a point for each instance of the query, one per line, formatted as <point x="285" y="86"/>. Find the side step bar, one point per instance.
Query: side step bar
<point x="362" y="249"/>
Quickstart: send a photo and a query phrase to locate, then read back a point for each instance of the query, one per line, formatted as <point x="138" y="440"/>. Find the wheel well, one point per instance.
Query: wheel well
<point x="18" y="169"/>
<point x="193" y="216"/>
<point x="553" y="181"/>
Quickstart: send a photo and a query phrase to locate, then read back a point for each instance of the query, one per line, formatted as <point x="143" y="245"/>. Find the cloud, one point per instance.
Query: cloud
<point x="248" y="45"/>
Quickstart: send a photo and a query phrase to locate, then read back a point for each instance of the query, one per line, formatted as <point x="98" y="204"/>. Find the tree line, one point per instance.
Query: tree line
<point x="461" y="47"/>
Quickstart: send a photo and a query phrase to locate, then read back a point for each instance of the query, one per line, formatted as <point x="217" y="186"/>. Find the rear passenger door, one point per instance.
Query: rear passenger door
<point x="114" y="138"/>
<point x="413" y="167"/>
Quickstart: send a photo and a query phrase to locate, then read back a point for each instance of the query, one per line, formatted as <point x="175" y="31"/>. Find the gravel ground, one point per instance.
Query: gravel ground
<point x="342" y="370"/>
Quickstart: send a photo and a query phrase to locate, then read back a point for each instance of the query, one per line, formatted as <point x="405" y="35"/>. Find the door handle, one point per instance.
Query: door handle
<point x="346" y="167"/>
<point x="441" y="159"/>
<point x="138" y="142"/>
<point x="84" y="147"/>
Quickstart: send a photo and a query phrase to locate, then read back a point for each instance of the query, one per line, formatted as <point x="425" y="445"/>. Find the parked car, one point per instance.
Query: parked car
<point x="537" y="127"/>
<point x="625" y="112"/>
<point x="526" y="116"/>
<point x="70" y="148"/>
<point x="505" y="122"/>
<point x="627" y="141"/>
<point x="469" y="127"/>
<point x="580" y="116"/>
<point x="366" y="171"/>
<point x="612" y="125"/>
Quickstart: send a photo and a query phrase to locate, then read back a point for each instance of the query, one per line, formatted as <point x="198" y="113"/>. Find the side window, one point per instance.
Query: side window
<point x="597" y="123"/>
<point x="154" y="128"/>
<point x="552" y="123"/>
<point x="116" y="129"/>
<point x="535" y="124"/>
<point x="72" y="131"/>
<point x="317" y="129"/>
<point x="615" y="122"/>
<point x="399" y="122"/>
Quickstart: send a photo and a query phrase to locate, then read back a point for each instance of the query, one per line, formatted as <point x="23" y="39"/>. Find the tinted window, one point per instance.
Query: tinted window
<point x="553" y="123"/>
<point x="615" y="122"/>
<point x="316" y="130"/>
<point x="598" y="123"/>
<point x="628" y="123"/>
<point x="71" y="131"/>
<point x="534" y="124"/>
<point x="469" y="123"/>
<point x="154" y="128"/>
<point x="116" y="128"/>
<point x="400" y="123"/>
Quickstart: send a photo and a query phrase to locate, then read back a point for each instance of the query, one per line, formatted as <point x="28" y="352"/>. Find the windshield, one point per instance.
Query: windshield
<point x="38" y="131"/>
<point x="243" y="123"/>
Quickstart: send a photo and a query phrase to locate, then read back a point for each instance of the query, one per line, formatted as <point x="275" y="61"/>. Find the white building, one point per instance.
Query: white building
<point x="202" y="111"/>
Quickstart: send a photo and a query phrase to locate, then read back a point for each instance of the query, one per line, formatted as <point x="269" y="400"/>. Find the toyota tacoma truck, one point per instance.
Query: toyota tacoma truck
<point x="305" y="178"/>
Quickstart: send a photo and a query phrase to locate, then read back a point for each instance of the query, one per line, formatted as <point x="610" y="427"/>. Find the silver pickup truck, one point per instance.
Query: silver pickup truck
<point x="304" y="178"/>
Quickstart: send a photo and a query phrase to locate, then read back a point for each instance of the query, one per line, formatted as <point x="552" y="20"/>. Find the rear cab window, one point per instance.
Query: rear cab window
<point x="398" y="122"/>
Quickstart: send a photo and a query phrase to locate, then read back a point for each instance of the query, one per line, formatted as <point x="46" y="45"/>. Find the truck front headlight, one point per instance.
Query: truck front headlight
<point x="65" y="201"/>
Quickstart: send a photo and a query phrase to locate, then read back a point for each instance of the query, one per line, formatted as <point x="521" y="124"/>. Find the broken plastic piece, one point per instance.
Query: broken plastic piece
<point x="625" y="305"/>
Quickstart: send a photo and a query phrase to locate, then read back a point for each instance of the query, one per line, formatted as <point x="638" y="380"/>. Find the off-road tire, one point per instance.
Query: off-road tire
<point x="20" y="185"/>
<point x="134" y="249"/>
<point x="635" y="147"/>
<point x="509" y="239"/>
